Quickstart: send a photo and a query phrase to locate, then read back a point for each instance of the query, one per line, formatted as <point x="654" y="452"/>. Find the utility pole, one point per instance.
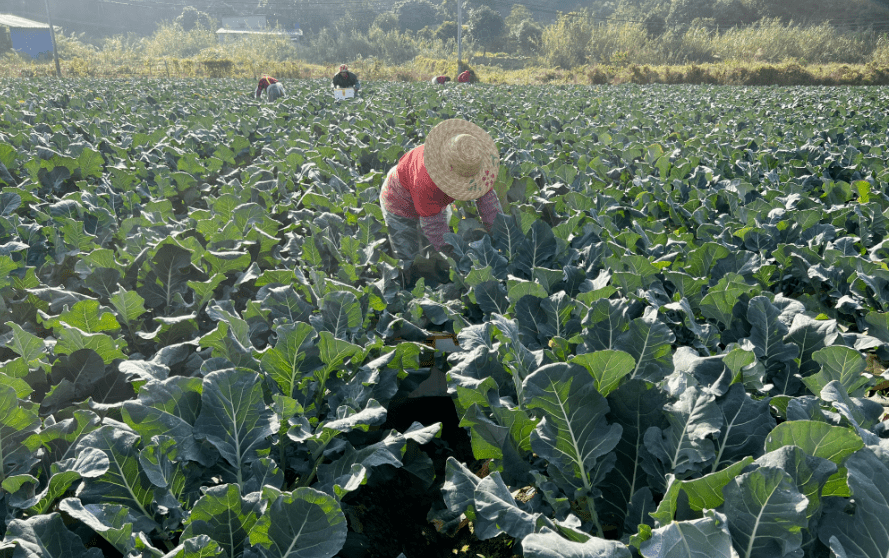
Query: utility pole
<point x="52" y="34"/>
<point x="459" y="36"/>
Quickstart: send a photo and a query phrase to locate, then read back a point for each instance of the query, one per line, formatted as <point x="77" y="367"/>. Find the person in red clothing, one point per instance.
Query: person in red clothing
<point x="459" y="161"/>
<point x="465" y="77"/>
<point x="271" y="86"/>
<point x="440" y="80"/>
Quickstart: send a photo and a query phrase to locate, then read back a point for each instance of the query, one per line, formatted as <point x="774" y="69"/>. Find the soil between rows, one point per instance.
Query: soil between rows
<point x="389" y="515"/>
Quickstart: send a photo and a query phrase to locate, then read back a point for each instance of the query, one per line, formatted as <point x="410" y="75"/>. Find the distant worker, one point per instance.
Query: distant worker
<point x="468" y="76"/>
<point x="271" y="86"/>
<point x="440" y="80"/>
<point x="459" y="161"/>
<point x="344" y="78"/>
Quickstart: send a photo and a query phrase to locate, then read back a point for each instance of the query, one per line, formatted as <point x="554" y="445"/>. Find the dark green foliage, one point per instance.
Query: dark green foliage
<point x="671" y="334"/>
<point x="414" y="15"/>
<point x="486" y="26"/>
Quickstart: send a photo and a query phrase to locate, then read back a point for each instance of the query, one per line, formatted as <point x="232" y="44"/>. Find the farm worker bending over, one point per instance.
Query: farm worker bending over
<point x="459" y="161"/>
<point x="345" y="78"/>
<point x="271" y="86"/>
<point x="440" y="80"/>
<point x="465" y="77"/>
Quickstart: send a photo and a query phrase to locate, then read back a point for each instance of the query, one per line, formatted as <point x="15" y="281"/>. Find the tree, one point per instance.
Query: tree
<point x="517" y="15"/>
<point x="729" y="13"/>
<point x="529" y="36"/>
<point x="191" y="18"/>
<point x="447" y="30"/>
<point x="386" y="22"/>
<point x="486" y="27"/>
<point x="565" y="42"/>
<point x="683" y="12"/>
<point x="414" y="15"/>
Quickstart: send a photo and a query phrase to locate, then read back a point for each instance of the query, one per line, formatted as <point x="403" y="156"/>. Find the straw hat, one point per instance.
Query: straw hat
<point x="461" y="159"/>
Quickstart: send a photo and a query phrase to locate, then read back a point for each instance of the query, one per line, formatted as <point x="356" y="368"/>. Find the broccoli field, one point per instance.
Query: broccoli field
<point x="672" y="344"/>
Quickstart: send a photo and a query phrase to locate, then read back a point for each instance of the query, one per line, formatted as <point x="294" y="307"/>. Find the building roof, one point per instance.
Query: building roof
<point x="9" y="20"/>
<point x="295" y="33"/>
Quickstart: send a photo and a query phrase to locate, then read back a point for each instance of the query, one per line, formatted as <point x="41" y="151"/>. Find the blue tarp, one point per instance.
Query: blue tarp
<point x="32" y="42"/>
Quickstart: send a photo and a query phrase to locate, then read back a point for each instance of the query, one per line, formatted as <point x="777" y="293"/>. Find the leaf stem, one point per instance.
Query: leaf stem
<point x="306" y="481"/>
<point x="591" y="507"/>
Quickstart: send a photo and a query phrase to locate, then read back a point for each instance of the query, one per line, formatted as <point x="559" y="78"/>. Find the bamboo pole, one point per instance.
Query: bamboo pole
<point x="52" y="34"/>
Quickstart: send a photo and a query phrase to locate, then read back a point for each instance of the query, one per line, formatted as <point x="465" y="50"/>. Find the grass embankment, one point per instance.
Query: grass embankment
<point x="421" y="69"/>
<point x="572" y="51"/>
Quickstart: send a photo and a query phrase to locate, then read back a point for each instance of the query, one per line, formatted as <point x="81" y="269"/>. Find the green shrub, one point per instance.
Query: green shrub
<point x="772" y="41"/>
<point x="619" y="44"/>
<point x="880" y="54"/>
<point x="566" y="42"/>
<point x="171" y="40"/>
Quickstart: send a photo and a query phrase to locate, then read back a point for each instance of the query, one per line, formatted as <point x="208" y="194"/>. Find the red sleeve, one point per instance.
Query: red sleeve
<point x="488" y="208"/>
<point x="428" y="199"/>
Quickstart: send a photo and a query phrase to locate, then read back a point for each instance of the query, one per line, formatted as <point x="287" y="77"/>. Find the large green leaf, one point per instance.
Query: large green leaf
<point x="228" y="342"/>
<point x="458" y="490"/>
<point x="747" y="422"/>
<point x="697" y="538"/>
<point x="45" y="536"/>
<point x="820" y="439"/>
<point x="767" y="332"/>
<point x="303" y="524"/>
<point x="766" y="513"/>
<point x="124" y="483"/>
<point x="604" y="324"/>
<point x="129" y="305"/>
<point x="686" y="447"/>
<point x="649" y="342"/>
<point x="171" y="268"/>
<point x="289" y="361"/>
<point x="81" y="375"/>
<point x="861" y="534"/>
<point x="559" y="309"/>
<point x="90" y="163"/>
<point x="333" y="351"/>
<point x="73" y="339"/>
<point x="808" y="472"/>
<point x="538" y="250"/>
<point x="636" y="406"/>
<point x="200" y="546"/>
<point x="85" y="315"/>
<point x="234" y="417"/>
<point x="17" y="424"/>
<point x="497" y="511"/>
<point x="491" y="297"/>
<point x="607" y="367"/>
<point x="843" y="364"/>
<point x="351" y="470"/>
<point x="549" y="544"/>
<point x="169" y="408"/>
<point x="573" y="434"/>
<point x="113" y="522"/>
<point x="340" y="315"/>
<point x="27" y="345"/>
<point x="225" y="516"/>
<point x="811" y="335"/>
<point x="720" y="299"/>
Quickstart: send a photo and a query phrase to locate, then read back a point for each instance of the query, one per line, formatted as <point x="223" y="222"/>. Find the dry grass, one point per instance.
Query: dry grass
<point x="768" y="53"/>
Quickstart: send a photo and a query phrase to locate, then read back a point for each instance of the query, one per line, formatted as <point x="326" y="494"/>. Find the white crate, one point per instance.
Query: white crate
<point x="343" y="93"/>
